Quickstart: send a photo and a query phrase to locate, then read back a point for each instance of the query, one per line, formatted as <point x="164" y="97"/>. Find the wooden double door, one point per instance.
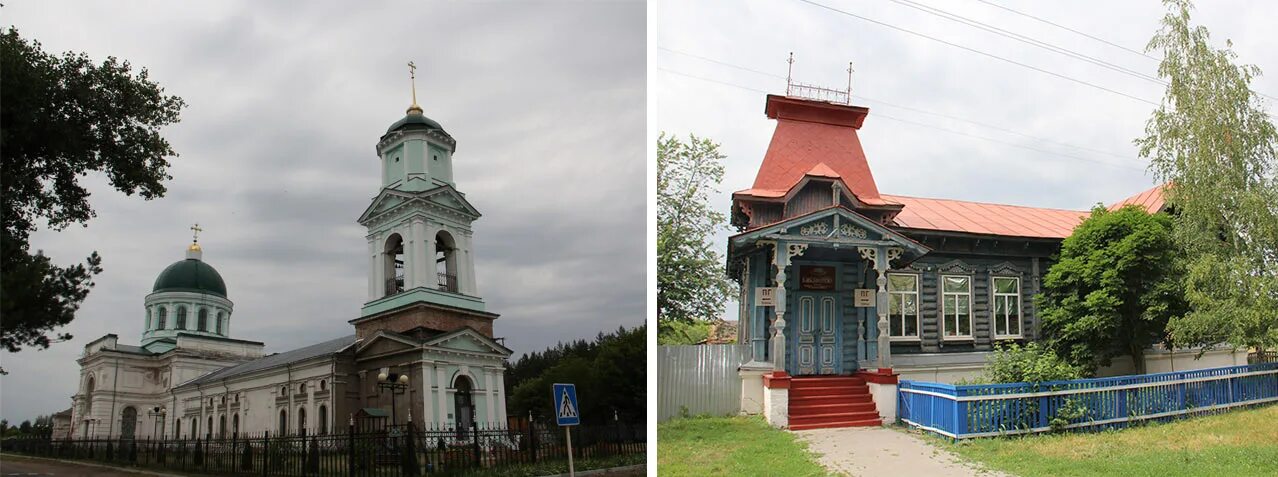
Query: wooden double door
<point x="817" y="340"/>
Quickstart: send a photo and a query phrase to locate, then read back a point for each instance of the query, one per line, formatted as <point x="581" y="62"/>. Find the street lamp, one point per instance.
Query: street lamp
<point x="396" y="383"/>
<point x="157" y="413"/>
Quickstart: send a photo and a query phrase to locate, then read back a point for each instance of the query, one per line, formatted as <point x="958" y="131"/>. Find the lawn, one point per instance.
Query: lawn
<point x="1239" y="443"/>
<point x="731" y="446"/>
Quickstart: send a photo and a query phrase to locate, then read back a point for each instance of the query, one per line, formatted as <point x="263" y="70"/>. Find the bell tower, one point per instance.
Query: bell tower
<point x="421" y="270"/>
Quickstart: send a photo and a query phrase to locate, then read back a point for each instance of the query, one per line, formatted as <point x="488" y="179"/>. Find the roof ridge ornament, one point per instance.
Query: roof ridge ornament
<point x="412" y="78"/>
<point x="810" y="92"/>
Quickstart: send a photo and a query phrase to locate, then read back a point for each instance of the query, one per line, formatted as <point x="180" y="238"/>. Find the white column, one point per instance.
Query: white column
<point x="429" y="263"/>
<point x="467" y="284"/>
<point x="501" y="400"/>
<point x="374" y="270"/>
<point x="423" y="276"/>
<point x="410" y="256"/>
<point x="443" y="393"/>
<point x="488" y="394"/>
<point x="311" y="411"/>
<point x="428" y="416"/>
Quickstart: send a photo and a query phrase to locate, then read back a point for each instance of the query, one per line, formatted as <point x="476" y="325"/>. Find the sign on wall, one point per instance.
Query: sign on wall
<point x="765" y="296"/>
<point x="816" y="278"/>
<point x="863" y="297"/>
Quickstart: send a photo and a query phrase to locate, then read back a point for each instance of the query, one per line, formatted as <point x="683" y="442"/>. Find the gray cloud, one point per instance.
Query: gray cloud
<point x="546" y="102"/>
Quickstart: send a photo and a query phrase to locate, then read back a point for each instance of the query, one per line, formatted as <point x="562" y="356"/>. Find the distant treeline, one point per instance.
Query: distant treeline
<point x="609" y="373"/>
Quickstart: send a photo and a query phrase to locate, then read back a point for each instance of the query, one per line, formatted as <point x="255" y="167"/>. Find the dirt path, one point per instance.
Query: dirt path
<point x="869" y="451"/>
<point x="11" y="465"/>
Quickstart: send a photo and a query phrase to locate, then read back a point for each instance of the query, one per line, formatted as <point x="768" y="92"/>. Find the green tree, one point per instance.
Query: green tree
<point x="1032" y="363"/>
<point x="63" y="118"/>
<point x="1117" y="284"/>
<point x="25" y="427"/>
<point x="691" y="285"/>
<point x="610" y="375"/>
<point x="683" y="333"/>
<point x="1213" y="142"/>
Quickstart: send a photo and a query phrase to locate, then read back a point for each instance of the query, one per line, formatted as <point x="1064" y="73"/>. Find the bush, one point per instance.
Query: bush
<point x="1032" y="363"/>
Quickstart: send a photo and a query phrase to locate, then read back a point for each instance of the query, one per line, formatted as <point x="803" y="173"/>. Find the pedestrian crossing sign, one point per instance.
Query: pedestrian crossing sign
<point x="565" y="399"/>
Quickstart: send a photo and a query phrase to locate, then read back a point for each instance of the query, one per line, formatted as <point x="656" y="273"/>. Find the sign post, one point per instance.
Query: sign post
<point x="566" y="415"/>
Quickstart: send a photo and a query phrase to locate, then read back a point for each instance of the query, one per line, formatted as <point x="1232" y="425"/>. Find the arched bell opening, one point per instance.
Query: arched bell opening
<point x="393" y="266"/>
<point x="446" y="261"/>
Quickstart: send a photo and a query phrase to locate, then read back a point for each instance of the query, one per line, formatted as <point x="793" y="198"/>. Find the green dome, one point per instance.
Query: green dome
<point x="191" y="275"/>
<point x="414" y="121"/>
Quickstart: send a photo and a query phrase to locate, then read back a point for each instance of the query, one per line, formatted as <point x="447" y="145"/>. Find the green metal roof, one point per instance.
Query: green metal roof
<point x="414" y="121"/>
<point x="191" y="275"/>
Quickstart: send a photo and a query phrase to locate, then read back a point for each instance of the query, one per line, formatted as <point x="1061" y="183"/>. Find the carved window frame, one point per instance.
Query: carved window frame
<point x="971" y="322"/>
<point x="1020" y="308"/>
<point x="918" y="307"/>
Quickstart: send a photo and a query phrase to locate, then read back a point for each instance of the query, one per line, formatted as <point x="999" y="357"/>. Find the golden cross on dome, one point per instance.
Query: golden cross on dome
<point x="412" y="74"/>
<point x="195" y="232"/>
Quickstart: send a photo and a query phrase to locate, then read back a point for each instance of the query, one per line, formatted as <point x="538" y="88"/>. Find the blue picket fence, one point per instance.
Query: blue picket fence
<point x="982" y="410"/>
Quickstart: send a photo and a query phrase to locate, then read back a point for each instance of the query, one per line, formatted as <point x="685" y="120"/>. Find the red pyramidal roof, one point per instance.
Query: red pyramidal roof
<point x="818" y="139"/>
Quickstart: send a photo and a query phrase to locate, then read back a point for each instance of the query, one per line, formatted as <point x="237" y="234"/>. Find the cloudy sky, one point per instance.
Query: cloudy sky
<point x="277" y="161"/>
<point x="944" y="122"/>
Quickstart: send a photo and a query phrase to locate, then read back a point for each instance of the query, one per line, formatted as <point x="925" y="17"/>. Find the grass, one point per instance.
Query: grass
<point x="731" y="446"/>
<point x="1238" y="443"/>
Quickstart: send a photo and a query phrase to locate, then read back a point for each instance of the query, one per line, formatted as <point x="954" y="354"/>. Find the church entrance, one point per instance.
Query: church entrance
<point x="817" y="341"/>
<point x="463" y="406"/>
<point x="128" y="423"/>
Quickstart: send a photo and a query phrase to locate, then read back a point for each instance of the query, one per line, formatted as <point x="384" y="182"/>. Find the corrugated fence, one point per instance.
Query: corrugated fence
<point x="701" y="378"/>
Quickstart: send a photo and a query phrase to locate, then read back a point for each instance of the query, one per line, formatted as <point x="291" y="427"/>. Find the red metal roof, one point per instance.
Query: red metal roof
<point x="983" y="218"/>
<point x="814" y="138"/>
<point x="1151" y="200"/>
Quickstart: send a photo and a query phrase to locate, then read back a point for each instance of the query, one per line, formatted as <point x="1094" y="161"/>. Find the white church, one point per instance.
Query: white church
<point x="424" y="330"/>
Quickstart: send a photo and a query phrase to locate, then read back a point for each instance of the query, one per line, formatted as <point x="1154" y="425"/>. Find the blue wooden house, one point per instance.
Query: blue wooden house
<point x="844" y="288"/>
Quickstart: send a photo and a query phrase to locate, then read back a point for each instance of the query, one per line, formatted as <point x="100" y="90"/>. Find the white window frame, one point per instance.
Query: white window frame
<point x="1020" y="310"/>
<point x="970" y="321"/>
<point x="918" y="307"/>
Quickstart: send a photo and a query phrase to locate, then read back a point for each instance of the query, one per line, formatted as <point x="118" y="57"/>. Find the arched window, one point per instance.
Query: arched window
<point x="181" y="318"/>
<point x="323" y="385"/>
<point x="195" y="427"/>
<point x="88" y="397"/>
<point x="128" y="422"/>
<point x="301" y="388"/>
<point x="463" y="405"/>
<point x="221" y="427"/>
<point x="208" y="432"/>
<point x="323" y="420"/>
<point x="202" y="320"/>
<point x="164" y="315"/>
<point x="177" y="428"/>
<point x="219" y="322"/>
<point x="283" y="430"/>
<point x="283" y="391"/>
<point x="148" y="320"/>
<point x="235" y="425"/>
<point x="446" y="261"/>
<point x="301" y="420"/>
<point x="394" y="264"/>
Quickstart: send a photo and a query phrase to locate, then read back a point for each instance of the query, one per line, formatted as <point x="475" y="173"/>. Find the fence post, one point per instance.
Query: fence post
<point x="266" y="452"/>
<point x="474" y="435"/>
<point x="350" y="447"/>
<point x="409" y="455"/>
<point x="532" y="440"/>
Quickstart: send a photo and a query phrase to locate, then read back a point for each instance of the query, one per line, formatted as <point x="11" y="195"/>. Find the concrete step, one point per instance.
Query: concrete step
<point x="829" y="390"/>
<point x="833" y="399"/>
<point x="827" y="408"/>
<point x="834" y="424"/>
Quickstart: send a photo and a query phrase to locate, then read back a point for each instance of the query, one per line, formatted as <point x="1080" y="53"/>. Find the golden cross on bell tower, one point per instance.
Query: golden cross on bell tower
<point x="195" y="233"/>
<point x="412" y="73"/>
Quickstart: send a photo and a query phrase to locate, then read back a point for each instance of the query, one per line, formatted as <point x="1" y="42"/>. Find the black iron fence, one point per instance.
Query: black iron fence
<point x="394" y="451"/>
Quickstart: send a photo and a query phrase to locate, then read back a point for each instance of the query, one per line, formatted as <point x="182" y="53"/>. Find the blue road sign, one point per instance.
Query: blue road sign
<point x="566" y="410"/>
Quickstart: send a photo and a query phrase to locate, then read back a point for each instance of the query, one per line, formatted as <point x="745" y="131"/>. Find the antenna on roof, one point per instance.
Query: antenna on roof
<point x="789" y="73"/>
<point x="850" y="70"/>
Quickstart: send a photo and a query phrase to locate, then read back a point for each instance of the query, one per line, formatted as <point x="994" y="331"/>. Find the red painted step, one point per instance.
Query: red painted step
<point x="818" y="402"/>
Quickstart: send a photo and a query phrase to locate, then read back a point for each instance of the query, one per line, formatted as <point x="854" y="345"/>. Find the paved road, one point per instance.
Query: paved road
<point x="865" y="451"/>
<point x="20" y="466"/>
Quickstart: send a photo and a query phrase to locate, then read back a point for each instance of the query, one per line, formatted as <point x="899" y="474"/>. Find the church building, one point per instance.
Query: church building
<point x="422" y="347"/>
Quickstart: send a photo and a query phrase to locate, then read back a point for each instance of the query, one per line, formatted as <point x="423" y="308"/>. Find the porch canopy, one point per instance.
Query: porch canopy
<point x="836" y="229"/>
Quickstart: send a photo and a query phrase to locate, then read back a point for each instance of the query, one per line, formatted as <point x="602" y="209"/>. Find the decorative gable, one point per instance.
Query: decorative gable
<point x="443" y="199"/>
<point x="469" y="341"/>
